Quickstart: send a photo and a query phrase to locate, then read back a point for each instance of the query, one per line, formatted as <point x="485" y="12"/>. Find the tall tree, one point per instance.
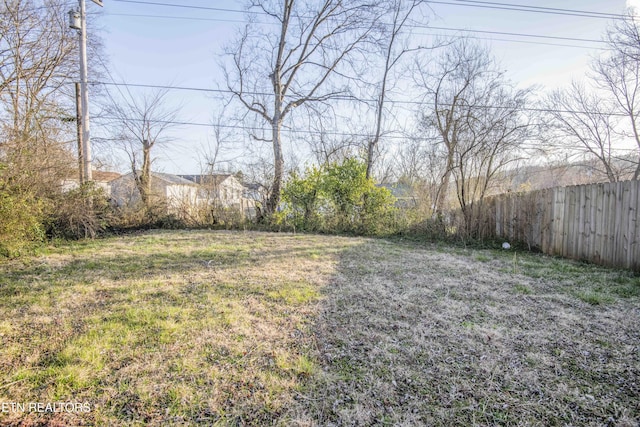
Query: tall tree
<point x="140" y="123"/>
<point x="447" y="88"/>
<point x="303" y="61"/>
<point x="595" y="119"/>
<point x="477" y="119"/>
<point x="393" y="47"/>
<point x="37" y="58"/>
<point x="617" y="72"/>
<point x="582" y="124"/>
<point x="38" y="61"/>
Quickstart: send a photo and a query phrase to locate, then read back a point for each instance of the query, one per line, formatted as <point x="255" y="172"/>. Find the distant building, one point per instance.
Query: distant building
<point x="220" y="190"/>
<point x="404" y="194"/>
<point x="176" y="192"/>
<point x="101" y="179"/>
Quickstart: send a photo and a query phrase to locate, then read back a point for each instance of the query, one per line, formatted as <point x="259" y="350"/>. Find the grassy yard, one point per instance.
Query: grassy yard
<point x="232" y="328"/>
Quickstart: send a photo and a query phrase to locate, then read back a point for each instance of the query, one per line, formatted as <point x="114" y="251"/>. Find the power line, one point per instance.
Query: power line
<point x="531" y="9"/>
<point x="506" y="40"/>
<point x="530" y="42"/>
<point x="396" y="136"/>
<point x="185" y="18"/>
<point x="340" y="98"/>
<point x="252" y="128"/>
<point x="500" y="33"/>
<point x="554" y="9"/>
<point x="411" y="26"/>
<point x="183" y="6"/>
<point x="458" y="3"/>
<point x="150" y="86"/>
<point x="463" y="3"/>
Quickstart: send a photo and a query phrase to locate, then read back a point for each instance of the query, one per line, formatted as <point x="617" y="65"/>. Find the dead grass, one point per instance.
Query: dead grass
<point x="411" y="336"/>
<point x="232" y="328"/>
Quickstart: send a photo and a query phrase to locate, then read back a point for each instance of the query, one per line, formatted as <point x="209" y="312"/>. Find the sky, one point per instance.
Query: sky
<point x="154" y="44"/>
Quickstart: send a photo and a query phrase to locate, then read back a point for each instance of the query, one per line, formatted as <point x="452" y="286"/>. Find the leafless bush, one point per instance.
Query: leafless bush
<point x="81" y="213"/>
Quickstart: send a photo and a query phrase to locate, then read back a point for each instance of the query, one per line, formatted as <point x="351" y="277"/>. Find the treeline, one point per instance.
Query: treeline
<point x="316" y="67"/>
<point x="38" y="56"/>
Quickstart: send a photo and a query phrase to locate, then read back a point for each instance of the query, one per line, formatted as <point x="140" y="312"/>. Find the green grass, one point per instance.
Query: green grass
<point x="594" y="298"/>
<point x="522" y="289"/>
<point x="163" y="327"/>
<point x="232" y="328"/>
<point x="587" y="282"/>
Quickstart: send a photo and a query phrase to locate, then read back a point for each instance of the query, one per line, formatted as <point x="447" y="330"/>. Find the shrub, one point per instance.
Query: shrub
<point x="80" y="213"/>
<point x="140" y="217"/>
<point x="218" y="217"/>
<point x="336" y="198"/>
<point x="21" y="228"/>
<point x="302" y="196"/>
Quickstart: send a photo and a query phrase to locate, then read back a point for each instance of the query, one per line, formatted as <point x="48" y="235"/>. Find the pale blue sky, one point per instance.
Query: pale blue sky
<point x="183" y="52"/>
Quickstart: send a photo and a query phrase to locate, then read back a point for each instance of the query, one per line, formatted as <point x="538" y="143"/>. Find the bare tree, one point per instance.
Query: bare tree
<point x="409" y="162"/>
<point x="447" y="88"/>
<point x="215" y="152"/>
<point x="582" y="123"/>
<point x="326" y="145"/>
<point x="37" y="55"/>
<point x="272" y="73"/>
<point x="141" y="123"/>
<point x="393" y="49"/>
<point x="617" y="72"/>
<point x="593" y="120"/>
<point x="35" y="52"/>
<point x="477" y="117"/>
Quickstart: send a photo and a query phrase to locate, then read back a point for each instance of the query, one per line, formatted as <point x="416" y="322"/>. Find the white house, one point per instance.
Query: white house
<point x="178" y="193"/>
<point x="100" y="178"/>
<point x="221" y="190"/>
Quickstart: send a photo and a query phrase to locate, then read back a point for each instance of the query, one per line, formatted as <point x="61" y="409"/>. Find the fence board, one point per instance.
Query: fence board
<point x="602" y="235"/>
<point x="635" y="256"/>
<point x="593" y="200"/>
<point x="581" y="242"/>
<point x="611" y="223"/>
<point x="547" y="220"/>
<point x="598" y="222"/>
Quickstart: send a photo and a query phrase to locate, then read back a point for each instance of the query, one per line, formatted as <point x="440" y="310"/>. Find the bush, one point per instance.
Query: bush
<point x="21" y="217"/>
<point x="80" y="213"/>
<point x="336" y="198"/>
<point x="302" y="196"/>
<point x="140" y="217"/>
<point x="429" y="228"/>
<point x="218" y="217"/>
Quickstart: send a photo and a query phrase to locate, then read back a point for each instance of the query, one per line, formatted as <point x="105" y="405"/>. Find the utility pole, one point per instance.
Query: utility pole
<point x="78" y="21"/>
<point x="86" y="141"/>
<point x="79" y="128"/>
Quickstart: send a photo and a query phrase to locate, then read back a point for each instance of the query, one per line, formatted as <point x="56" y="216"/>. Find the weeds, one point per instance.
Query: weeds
<point x="232" y="328"/>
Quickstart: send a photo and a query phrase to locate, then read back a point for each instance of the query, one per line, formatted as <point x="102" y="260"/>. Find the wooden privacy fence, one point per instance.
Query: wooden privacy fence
<point x="595" y="222"/>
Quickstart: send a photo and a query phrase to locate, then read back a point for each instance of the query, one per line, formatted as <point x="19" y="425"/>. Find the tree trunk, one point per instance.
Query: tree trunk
<point x="278" y="162"/>
<point x="443" y="189"/>
<point x="144" y="179"/>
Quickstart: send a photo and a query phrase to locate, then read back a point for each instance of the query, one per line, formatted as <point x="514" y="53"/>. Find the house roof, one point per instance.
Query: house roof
<point x="104" y="176"/>
<point x="99" y="176"/>
<point x="165" y="177"/>
<point x="398" y="190"/>
<point x="255" y="186"/>
<point x="172" y="179"/>
<point x="215" y="178"/>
